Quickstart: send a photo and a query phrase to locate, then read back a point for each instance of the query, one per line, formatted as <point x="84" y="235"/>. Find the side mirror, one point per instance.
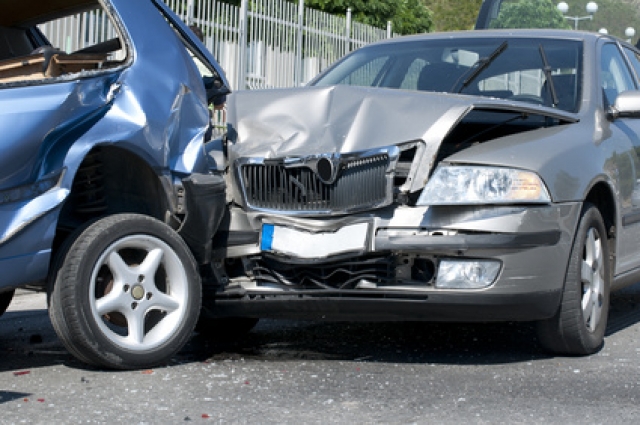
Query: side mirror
<point x="627" y="105"/>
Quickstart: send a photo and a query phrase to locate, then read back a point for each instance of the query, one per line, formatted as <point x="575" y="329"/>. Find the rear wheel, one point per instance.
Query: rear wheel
<point x="127" y="294"/>
<point x="579" y="325"/>
<point x="5" y="300"/>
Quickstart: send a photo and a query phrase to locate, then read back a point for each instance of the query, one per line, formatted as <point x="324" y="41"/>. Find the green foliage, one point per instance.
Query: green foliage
<point x="414" y="16"/>
<point x="530" y="14"/>
<point x="453" y="15"/>
<point x="406" y="16"/>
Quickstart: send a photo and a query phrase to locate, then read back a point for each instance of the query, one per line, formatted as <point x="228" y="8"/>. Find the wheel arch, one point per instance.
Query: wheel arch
<point x="602" y="197"/>
<point x="111" y="180"/>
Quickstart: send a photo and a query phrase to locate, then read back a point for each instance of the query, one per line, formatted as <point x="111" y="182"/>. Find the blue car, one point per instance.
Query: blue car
<point x="106" y="199"/>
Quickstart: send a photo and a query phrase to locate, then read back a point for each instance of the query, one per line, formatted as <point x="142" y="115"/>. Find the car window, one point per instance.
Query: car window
<point x="516" y="71"/>
<point x="360" y="71"/>
<point x="634" y="59"/>
<point x="78" y="41"/>
<point x="410" y="80"/>
<point x="523" y="82"/>
<point x="615" y="76"/>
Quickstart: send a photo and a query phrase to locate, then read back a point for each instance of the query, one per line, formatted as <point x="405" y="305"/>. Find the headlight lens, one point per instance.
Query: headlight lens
<point x="467" y="274"/>
<point x="467" y="185"/>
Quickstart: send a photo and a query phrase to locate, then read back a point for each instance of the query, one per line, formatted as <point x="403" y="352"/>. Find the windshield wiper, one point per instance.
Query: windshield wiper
<point x="547" y="74"/>
<point x="480" y="66"/>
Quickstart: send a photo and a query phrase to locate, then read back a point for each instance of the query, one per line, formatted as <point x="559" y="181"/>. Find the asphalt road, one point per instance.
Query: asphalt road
<point x="319" y="373"/>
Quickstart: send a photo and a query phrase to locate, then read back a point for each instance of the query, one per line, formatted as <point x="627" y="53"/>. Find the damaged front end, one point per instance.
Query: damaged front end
<point x="335" y="222"/>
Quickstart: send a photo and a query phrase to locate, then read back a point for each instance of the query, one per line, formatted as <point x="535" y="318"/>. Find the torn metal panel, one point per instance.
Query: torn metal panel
<point x="41" y="119"/>
<point x="310" y="120"/>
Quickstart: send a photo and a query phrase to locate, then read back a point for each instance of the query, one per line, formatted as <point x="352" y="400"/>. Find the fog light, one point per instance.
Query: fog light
<point x="467" y="274"/>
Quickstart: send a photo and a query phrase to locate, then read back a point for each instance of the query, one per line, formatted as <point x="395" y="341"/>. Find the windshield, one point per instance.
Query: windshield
<point x="476" y="66"/>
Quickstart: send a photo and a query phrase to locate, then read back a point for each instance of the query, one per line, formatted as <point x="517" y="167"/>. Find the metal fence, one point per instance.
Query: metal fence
<point x="261" y="44"/>
<point x="274" y="43"/>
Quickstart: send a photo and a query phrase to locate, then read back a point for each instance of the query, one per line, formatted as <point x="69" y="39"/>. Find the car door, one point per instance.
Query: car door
<point x="617" y="77"/>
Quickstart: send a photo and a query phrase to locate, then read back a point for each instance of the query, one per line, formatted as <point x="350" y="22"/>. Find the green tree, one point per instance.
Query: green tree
<point x="530" y="14"/>
<point x="452" y="15"/>
<point x="406" y="16"/>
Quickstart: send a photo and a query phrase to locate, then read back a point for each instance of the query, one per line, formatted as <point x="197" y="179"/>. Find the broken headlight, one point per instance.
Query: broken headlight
<point x="471" y="185"/>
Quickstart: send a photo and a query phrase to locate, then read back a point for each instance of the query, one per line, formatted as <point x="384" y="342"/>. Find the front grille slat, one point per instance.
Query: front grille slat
<point x="363" y="183"/>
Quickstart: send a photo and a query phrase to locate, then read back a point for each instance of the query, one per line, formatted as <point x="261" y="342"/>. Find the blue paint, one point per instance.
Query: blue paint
<point x="267" y="237"/>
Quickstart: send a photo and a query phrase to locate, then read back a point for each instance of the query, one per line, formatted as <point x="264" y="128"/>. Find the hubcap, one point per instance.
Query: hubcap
<point x="592" y="278"/>
<point x="142" y="315"/>
<point x="137" y="292"/>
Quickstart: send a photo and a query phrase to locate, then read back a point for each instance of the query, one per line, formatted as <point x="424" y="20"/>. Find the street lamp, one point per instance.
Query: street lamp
<point x="630" y="32"/>
<point x="592" y="7"/>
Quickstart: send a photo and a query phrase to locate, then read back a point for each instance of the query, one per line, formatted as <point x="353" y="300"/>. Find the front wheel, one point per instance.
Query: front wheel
<point x="127" y="294"/>
<point x="579" y="325"/>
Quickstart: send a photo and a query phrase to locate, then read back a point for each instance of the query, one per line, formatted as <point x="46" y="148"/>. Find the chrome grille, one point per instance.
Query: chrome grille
<point x="362" y="183"/>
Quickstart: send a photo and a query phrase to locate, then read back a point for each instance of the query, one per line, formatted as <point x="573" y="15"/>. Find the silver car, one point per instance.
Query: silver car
<point x="470" y="176"/>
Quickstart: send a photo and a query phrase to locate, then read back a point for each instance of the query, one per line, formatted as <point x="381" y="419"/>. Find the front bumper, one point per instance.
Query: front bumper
<point x="408" y="306"/>
<point x="532" y="245"/>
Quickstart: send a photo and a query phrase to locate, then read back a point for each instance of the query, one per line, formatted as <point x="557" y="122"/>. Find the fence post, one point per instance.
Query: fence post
<point x="242" y="39"/>
<point x="297" y="79"/>
<point x="190" y="13"/>
<point x="389" y="33"/>
<point x="347" y="32"/>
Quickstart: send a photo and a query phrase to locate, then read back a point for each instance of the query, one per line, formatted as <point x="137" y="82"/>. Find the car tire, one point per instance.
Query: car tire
<point x="579" y="325"/>
<point x="5" y="300"/>
<point x="127" y="294"/>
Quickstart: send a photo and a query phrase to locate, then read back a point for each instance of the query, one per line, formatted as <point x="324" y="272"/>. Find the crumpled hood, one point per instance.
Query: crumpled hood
<point x="317" y="120"/>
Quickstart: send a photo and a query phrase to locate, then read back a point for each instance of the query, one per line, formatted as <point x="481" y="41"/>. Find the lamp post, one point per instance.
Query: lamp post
<point x="630" y="32"/>
<point x="592" y="7"/>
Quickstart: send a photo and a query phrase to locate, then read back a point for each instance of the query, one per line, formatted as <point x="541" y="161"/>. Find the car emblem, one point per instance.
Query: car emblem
<point x="327" y="169"/>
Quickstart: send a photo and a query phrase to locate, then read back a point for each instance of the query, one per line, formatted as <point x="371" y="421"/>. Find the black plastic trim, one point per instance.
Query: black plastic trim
<point x="394" y="306"/>
<point x="205" y="201"/>
<point x="464" y="242"/>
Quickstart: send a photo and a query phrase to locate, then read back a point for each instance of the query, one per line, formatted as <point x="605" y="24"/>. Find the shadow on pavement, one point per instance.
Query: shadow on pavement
<point x="397" y="342"/>
<point x="7" y="396"/>
<point x="27" y="340"/>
